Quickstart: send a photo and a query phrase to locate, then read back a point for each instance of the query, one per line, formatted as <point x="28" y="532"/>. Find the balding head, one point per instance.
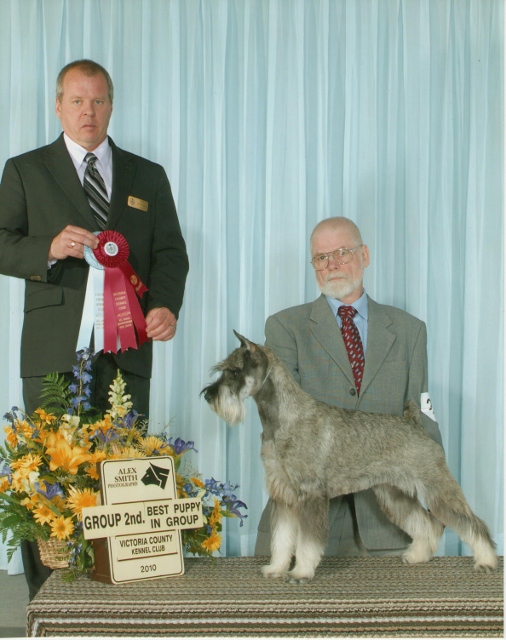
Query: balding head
<point x="337" y="224"/>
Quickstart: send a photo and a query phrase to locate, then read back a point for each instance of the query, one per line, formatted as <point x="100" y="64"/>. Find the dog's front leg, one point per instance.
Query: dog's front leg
<point x="283" y="538"/>
<point x="312" y="534"/>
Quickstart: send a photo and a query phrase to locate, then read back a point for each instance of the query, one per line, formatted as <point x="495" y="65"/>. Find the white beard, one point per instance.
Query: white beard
<point x="340" y="287"/>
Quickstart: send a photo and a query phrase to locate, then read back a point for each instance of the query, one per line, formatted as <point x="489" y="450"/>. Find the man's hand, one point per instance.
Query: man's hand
<point x="161" y="324"/>
<point x="70" y="242"/>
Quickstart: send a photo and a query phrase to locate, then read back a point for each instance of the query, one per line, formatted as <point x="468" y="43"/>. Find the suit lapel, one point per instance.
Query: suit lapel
<point x="379" y="342"/>
<point x="123" y="167"/>
<point x="326" y="330"/>
<point x="60" y="165"/>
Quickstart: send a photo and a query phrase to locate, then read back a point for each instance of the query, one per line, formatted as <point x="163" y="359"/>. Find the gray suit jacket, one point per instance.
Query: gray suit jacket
<point x="40" y="194"/>
<point x="308" y="340"/>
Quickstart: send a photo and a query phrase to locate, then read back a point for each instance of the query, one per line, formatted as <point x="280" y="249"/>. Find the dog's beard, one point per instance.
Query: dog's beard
<point x="339" y="285"/>
<point x="228" y="406"/>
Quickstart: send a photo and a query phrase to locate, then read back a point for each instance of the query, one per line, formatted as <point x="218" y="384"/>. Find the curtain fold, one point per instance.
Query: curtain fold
<point x="269" y="115"/>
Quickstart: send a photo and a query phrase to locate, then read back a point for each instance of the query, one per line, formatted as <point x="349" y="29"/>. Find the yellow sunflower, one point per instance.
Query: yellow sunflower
<point x="44" y="416"/>
<point x="180" y="482"/>
<point x="152" y="445"/>
<point x="126" y="452"/>
<point x="213" y="543"/>
<point x="11" y="436"/>
<point x="78" y="499"/>
<point x="29" y="462"/>
<point x="20" y="481"/>
<point x="95" y="458"/>
<point x="62" y="528"/>
<point x="215" y="516"/>
<point x="43" y="514"/>
<point x="102" y="425"/>
<point x="4" y="484"/>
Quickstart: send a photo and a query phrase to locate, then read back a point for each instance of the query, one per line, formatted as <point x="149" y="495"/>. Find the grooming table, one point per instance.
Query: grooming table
<point x="228" y="597"/>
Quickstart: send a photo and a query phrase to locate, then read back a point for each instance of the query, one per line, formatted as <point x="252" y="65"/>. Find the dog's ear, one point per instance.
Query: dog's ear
<point x="251" y="346"/>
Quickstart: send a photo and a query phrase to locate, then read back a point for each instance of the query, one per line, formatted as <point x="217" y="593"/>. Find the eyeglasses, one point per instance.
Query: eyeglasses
<point x="341" y="256"/>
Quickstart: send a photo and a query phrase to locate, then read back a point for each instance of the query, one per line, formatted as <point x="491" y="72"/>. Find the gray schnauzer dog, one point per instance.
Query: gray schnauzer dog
<point x="352" y="451"/>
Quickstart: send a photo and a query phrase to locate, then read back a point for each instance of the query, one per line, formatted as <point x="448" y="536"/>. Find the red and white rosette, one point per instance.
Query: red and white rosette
<point x="124" y="322"/>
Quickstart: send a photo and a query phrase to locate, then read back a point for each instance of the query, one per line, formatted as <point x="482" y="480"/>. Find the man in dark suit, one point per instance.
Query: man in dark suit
<point x="309" y="340"/>
<point x="46" y="221"/>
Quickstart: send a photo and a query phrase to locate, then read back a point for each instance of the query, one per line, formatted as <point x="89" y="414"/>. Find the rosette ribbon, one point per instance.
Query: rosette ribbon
<point x="123" y="315"/>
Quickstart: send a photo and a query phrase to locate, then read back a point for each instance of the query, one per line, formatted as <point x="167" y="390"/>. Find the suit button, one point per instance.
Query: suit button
<point x="353" y="392"/>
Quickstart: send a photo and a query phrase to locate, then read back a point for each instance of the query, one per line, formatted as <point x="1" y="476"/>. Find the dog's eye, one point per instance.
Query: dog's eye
<point x="234" y="372"/>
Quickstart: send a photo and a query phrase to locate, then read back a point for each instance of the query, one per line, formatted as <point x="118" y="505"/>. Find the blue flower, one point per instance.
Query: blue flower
<point x="85" y="377"/>
<point x="6" y="471"/>
<point x="233" y="505"/>
<point x="211" y="485"/>
<point x="51" y="491"/>
<point x="85" y="356"/>
<point x="130" y="418"/>
<point x="11" y="415"/>
<point x="106" y="437"/>
<point x="180" y="446"/>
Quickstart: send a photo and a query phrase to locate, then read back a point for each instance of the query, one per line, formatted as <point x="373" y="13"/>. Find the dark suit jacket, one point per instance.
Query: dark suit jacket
<point x="308" y="340"/>
<point x="40" y="194"/>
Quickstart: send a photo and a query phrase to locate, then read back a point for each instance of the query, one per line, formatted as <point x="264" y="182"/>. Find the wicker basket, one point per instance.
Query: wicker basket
<point x="54" y="553"/>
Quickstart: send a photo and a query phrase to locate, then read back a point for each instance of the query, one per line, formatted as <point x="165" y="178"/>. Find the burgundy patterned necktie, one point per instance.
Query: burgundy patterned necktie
<point x="353" y="343"/>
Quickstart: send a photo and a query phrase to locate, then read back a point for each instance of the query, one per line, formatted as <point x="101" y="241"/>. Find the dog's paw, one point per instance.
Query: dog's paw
<point x="417" y="554"/>
<point x="487" y="566"/>
<point x="483" y="568"/>
<point x="270" y="571"/>
<point x="292" y="580"/>
<point x="415" y="558"/>
<point x="298" y="577"/>
<point x="485" y="558"/>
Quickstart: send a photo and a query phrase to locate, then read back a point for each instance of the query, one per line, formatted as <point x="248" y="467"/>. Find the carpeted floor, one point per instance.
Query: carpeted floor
<point x="13" y="601"/>
<point x="352" y="597"/>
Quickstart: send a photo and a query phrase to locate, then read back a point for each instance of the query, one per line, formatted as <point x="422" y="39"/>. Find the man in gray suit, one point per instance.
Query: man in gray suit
<point x="309" y="341"/>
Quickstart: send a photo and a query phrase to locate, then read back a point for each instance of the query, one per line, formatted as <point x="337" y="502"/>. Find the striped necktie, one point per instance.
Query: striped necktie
<point x="353" y="343"/>
<point x="94" y="186"/>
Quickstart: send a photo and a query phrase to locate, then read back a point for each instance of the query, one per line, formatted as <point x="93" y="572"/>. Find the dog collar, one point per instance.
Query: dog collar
<point x="265" y="379"/>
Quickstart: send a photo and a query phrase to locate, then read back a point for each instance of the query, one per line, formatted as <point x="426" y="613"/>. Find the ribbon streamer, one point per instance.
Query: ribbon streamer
<point x="123" y="315"/>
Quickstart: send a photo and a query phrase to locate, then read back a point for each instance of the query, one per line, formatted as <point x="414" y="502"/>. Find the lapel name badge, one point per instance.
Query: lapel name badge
<point x="137" y="203"/>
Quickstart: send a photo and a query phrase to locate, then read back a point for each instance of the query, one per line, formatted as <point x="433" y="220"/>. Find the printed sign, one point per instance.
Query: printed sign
<point x="141" y="519"/>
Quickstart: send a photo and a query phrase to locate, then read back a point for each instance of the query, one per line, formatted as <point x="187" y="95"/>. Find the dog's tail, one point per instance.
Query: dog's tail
<point x="412" y="412"/>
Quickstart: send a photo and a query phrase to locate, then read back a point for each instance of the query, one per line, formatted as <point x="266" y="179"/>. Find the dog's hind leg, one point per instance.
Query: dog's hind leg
<point x="284" y="525"/>
<point x="311" y="539"/>
<point x="408" y="514"/>
<point x="446" y="501"/>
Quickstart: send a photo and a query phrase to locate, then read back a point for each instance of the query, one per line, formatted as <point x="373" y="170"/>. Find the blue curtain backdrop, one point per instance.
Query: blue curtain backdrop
<point x="269" y="115"/>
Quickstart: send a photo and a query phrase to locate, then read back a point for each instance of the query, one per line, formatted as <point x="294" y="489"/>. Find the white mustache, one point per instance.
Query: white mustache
<point x="334" y="275"/>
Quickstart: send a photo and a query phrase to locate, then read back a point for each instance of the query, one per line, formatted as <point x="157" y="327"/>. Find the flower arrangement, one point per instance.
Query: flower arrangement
<point x="49" y="467"/>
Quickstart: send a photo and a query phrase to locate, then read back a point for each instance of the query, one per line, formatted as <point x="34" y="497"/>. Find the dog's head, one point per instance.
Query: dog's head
<point x="242" y="375"/>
